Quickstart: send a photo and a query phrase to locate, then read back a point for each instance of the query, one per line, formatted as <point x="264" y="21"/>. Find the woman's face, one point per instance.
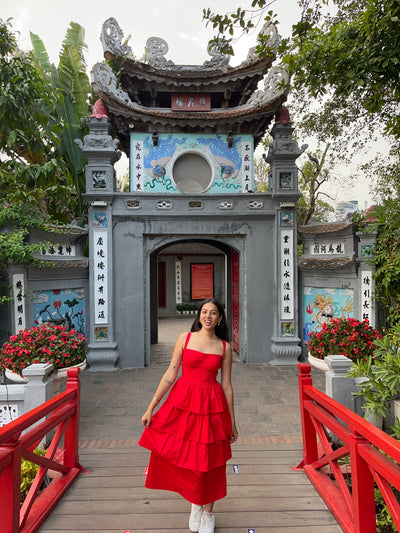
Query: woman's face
<point x="209" y="316"/>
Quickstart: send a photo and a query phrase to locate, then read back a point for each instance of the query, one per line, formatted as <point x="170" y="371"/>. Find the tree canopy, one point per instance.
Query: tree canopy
<point x="41" y="112"/>
<point x="343" y="58"/>
<point x="344" y="61"/>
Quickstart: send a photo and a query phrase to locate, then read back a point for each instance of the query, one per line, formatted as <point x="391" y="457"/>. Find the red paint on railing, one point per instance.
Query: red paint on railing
<point x="373" y="457"/>
<point x="62" y="414"/>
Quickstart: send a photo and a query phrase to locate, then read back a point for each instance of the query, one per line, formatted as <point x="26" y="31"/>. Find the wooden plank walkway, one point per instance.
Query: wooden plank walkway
<point x="266" y="496"/>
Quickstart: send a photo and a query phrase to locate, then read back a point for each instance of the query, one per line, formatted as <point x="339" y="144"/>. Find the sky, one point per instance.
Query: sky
<point x="179" y="22"/>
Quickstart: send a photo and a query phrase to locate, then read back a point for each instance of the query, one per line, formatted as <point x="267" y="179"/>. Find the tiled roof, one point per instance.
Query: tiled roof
<point x="331" y="263"/>
<point x="330" y="227"/>
<point x="147" y="114"/>
<point x="67" y="263"/>
<point x="188" y="74"/>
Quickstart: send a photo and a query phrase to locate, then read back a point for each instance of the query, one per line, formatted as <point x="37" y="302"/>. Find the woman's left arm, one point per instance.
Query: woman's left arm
<point x="226" y="371"/>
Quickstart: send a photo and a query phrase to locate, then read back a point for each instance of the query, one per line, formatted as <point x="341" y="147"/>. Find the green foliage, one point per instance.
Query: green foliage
<point x="28" y="473"/>
<point x="261" y="170"/>
<point x="28" y="101"/>
<point x="382" y="371"/>
<point x="45" y="108"/>
<point x="243" y="20"/>
<point x="385" y="219"/>
<point x="16" y="219"/>
<point x="313" y="174"/>
<point x="71" y="80"/>
<point x="343" y="57"/>
<point x="41" y="168"/>
<point x="384" y="520"/>
<point x="351" y="58"/>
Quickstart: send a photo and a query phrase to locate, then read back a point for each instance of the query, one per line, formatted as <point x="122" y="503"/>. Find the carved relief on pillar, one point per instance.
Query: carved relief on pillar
<point x="97" y="140"/>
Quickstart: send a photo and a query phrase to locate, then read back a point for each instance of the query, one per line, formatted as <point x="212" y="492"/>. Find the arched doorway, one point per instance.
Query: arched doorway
<point x="165" y="288"/>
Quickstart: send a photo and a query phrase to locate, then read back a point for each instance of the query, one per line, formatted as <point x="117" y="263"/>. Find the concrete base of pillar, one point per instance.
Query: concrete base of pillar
<point x="102" y="357"/>
<point x="286" y="350"/>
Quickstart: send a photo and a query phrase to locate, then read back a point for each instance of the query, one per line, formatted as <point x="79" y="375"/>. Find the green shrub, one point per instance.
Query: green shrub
<point x="28" y="473"/>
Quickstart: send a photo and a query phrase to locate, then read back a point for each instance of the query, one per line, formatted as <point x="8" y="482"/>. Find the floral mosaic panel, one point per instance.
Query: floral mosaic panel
<point x="60" y="306"/>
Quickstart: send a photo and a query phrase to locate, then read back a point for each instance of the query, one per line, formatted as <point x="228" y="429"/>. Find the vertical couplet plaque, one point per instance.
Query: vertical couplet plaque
<point x="100" y="273"/>
<point x="19" y="302"/>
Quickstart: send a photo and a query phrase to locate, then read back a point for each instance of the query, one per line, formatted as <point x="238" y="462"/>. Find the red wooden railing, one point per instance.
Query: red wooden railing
<point x="373" y="457"/>
<point x="62" y="414"/>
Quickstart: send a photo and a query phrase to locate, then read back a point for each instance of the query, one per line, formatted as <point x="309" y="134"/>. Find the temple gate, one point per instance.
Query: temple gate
<point x="191" y="225"/>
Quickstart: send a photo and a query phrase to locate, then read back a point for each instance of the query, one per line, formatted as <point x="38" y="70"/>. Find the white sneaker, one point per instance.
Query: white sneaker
<point x="207" y="523"/>
<point x="195" y="517"/>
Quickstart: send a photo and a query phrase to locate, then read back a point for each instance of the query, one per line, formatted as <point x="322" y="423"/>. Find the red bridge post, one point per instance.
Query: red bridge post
<point x="71" y="437"/>
<point x="310" y="446"/>
<point x="10" y="485"/>
<point x="363" y="493"/>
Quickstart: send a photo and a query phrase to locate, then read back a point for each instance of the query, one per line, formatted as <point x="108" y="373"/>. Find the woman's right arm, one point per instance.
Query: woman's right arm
<point x="167" y="380"/>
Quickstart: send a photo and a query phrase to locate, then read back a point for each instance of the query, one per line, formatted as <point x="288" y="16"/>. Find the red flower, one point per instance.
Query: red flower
<point x="57" y="304"/>
<point x="349" y="336"/>
<point x="47" y="343"/>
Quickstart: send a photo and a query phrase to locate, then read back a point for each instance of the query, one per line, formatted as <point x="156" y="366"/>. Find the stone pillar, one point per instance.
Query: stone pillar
<point x="39" y="388"/>
<point x="337" y="385"/>
<point x="368" y="309"/>
<point x="282" y="155"/>
<point x="101" y="151"/>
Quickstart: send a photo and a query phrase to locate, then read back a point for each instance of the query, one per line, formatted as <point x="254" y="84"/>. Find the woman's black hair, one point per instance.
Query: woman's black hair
<point x="221" y="330"/>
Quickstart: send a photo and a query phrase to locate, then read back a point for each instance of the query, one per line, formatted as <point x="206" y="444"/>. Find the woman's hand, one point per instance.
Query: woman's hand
<point x="233" y="438"/>
<point x="146" y="418"/>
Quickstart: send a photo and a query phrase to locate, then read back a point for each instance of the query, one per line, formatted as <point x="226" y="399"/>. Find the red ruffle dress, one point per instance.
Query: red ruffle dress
<point x="189" y="434"/>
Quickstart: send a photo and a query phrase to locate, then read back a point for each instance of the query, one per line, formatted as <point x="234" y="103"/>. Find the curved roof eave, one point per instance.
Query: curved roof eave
<point x="261" y="103"/>
<point x="187" y="76"/>
<point x="242" y="113"/>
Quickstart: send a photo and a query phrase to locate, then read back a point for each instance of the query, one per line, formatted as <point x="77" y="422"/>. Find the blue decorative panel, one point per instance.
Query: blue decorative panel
<point x="320" y="305"/>
<point x="60" y="306"/>
<point x="100" y="220"/>
<point x="367" y="251"/>
<point x="152" y="163"/>
<point x="286" y="219"/>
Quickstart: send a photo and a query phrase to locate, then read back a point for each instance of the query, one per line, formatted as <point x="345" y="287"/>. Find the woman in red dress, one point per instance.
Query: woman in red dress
<point x="191" y="434"/>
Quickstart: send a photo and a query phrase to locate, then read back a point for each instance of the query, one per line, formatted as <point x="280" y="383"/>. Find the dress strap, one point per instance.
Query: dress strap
<point x="187" y="340"/>
<point x="224" y="343"/>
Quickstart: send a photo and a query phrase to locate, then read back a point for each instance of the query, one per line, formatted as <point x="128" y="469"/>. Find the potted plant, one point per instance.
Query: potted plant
<point x="342" y="336"/>
<point x="380" y="375"/>
<point x="47" y="343"/>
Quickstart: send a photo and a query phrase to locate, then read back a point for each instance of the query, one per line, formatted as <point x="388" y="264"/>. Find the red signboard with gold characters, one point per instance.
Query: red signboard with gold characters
<point x="190" y="102"/>
<point x="202" y="278"/>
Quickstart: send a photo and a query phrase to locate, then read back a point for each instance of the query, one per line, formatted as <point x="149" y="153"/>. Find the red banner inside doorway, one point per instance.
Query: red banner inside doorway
<point x="202" y="281"/>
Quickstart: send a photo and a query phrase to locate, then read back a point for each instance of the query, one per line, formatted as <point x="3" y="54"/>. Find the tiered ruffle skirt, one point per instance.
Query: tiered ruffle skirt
<point x="189" y="441"/>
